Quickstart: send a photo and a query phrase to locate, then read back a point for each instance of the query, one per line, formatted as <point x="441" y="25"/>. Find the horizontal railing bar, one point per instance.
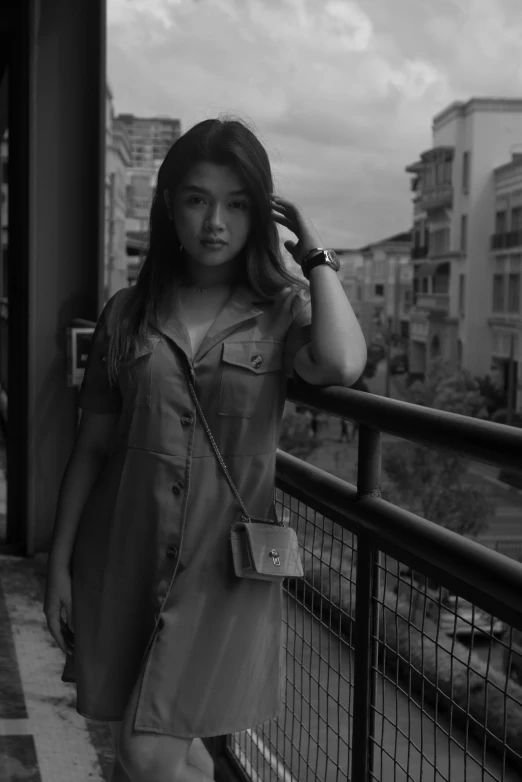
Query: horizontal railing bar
<point x="484" y="441"/>
<point x="479" y="574"/>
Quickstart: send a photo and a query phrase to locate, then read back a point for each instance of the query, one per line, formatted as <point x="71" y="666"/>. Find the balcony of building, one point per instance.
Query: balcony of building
<point x="435" y="302"/>
<point x="383" y="678"/>
<point x="435" y="197"/>
<point x="506" y="240"/>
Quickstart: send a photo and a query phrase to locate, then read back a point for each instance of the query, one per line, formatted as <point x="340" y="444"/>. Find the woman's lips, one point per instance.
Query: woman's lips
<point x="212" y="245"/>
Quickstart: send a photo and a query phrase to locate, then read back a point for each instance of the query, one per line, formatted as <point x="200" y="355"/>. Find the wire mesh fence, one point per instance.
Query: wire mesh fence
<point x="447" y="702"/>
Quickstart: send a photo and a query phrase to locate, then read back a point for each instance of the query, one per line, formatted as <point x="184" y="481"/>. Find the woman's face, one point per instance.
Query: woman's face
<point x="212" y="214"/>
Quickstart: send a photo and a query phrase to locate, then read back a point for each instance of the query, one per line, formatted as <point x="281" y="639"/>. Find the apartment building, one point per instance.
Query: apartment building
<point x="117" y="162"/>
<point x="505" y="321"/>
<point x="455" y="187"/>
<point x="150" y="138"/>
<point x="380" y="285"/>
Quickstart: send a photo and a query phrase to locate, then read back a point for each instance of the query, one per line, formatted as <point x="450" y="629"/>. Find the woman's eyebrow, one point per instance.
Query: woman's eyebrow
<point x="203" y="191"/>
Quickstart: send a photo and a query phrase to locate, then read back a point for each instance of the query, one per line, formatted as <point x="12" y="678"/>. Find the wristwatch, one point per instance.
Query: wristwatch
<point x="319" y="256"/>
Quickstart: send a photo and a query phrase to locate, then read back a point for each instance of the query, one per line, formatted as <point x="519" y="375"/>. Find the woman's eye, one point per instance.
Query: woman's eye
<point x="194" y="200"/>
<point x="240" y="205"/>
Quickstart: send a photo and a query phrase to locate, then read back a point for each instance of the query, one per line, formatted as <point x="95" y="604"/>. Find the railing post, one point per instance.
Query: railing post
<point x="366" y="614"/>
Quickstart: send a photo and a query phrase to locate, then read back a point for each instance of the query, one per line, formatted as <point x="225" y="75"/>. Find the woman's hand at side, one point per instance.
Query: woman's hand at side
<point x="89" y="455"/>
<point x="58" y="606"/>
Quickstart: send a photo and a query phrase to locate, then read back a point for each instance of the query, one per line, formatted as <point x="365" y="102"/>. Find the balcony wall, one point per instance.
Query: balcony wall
<point x="436" y="197"/>
<point x="503" y="241"/>
<point x="436" y="302"/>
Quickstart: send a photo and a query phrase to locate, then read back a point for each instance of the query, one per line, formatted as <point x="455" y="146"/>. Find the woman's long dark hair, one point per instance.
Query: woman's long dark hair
<point x="224" y="142"/>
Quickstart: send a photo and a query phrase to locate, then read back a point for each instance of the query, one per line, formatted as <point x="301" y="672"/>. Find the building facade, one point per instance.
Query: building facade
<point x="150" y="138"/>
<point x="381" y="290"/>
<point x="454" y="190"/>
<point x="118" y="160"/>
<point x="504" y="321"/>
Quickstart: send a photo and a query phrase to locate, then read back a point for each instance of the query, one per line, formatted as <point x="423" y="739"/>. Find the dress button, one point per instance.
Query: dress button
<point x="178" y="487"/>
<point x="256" y="360"/>
<point x="186" y="419"/>
<point x="172" y="552"/>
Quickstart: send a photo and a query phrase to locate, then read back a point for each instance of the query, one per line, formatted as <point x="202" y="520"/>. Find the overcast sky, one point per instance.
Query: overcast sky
<point x="342" y="93"/>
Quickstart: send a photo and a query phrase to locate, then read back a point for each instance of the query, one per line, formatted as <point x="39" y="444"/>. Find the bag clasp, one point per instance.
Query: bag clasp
<point x="275" y="557"/>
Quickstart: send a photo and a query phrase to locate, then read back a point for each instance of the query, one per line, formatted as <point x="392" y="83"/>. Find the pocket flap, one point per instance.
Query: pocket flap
<point x="258" y="357"/>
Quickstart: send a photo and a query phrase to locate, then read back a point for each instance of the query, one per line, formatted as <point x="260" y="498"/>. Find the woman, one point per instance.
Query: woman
<point x="168" y="643"/>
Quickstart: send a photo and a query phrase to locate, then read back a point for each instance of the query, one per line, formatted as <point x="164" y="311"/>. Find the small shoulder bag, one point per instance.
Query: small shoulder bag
<point x="264" y="549"/>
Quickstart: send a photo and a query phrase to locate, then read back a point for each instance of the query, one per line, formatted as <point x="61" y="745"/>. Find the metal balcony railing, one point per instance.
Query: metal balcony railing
<point x="506" y="240"/>
<point x="419" y="252"/>
<point x="436" y="302"/>
<point x="379" y="684"/>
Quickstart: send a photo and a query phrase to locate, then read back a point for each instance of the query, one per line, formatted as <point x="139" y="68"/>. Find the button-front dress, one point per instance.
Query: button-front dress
<point x="156" y="602"/>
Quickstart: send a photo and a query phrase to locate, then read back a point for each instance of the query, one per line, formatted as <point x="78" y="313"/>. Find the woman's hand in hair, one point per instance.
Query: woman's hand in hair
<point x="290" y="216"/>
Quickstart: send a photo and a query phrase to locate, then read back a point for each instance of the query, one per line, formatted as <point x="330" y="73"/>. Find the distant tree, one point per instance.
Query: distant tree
<point x="456" y="392"/>
<point x="495" y="397"/>
<point x="434" y="483"/>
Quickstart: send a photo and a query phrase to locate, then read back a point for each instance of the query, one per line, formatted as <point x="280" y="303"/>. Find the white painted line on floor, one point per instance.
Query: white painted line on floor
<point x="61" y="737"/>
<point x="19" y="727"/>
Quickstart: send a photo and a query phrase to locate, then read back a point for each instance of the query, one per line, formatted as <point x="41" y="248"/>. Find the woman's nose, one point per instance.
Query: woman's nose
<point x="215" y="216"/>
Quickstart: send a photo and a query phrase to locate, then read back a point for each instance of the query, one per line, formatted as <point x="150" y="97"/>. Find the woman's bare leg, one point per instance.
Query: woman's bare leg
<point x="199" y="758"/>
<point x="118" y="772"/>
<point x="149" y="757"/>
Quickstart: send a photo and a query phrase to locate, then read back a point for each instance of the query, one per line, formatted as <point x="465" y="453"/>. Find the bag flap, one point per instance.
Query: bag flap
<point x="263" y="539"/>
<point x="258" y="357"/>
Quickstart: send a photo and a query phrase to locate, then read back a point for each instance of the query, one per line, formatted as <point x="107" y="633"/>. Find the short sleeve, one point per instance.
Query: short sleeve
<point x="96" y="394"/>
<point x="300" y="329"/>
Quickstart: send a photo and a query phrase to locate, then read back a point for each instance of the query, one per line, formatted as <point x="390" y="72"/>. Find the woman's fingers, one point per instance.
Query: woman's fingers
<point x="54" y="625"/>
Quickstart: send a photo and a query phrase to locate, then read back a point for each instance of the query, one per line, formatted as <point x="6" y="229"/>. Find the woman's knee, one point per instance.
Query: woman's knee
<point x="145" y="757"/>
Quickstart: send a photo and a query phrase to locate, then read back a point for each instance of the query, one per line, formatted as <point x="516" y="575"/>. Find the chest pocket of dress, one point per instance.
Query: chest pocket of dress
<point x="250" y="377"/>
<point x="136" y="376"/>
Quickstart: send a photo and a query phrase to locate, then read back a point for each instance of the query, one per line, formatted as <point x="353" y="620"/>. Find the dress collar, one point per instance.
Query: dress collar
<point x="243" y="305"/>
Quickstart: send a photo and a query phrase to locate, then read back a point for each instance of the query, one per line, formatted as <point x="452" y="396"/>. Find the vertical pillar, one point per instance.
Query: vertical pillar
<point x="66" y="209"/>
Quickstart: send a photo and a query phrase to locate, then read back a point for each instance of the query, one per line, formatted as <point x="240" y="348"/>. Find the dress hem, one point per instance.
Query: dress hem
<point x="203" y="735"/>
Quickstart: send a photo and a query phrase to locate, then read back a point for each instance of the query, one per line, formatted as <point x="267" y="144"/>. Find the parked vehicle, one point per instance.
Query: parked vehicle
<point x="399" y="364"/>
<point x="456" y="616"/>
<point x="513" y="666"/>
<point x="453" y="615"/>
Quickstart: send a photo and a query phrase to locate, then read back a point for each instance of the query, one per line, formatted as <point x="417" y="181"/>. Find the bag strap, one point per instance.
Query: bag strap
<point x="216" y="450"/>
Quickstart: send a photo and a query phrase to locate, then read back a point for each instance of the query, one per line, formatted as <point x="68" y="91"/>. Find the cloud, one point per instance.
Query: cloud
<point x="341" y="92"/>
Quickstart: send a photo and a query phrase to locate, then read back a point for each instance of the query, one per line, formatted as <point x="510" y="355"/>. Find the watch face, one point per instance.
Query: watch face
<point x="333" y="260"/>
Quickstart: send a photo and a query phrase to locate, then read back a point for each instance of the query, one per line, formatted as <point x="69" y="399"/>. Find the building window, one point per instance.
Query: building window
<point x="465" y="172"/>
<point x="439" y="241"/>
<point x="513" y="296"/>
<point x="516" y="218"/>
<point x="462" y="283"/>
<point x="464" y="233"/>
<point x="424" y="285"/>
<point x="379" y="290"/>
<point x="498" y="293"/>
<point x="500" y="222"/>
